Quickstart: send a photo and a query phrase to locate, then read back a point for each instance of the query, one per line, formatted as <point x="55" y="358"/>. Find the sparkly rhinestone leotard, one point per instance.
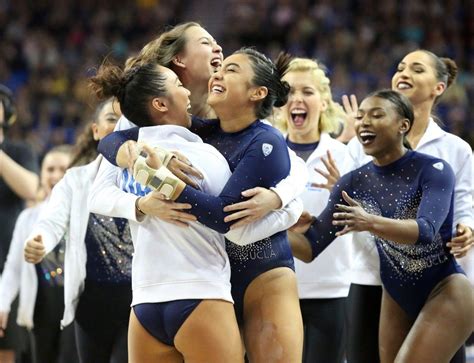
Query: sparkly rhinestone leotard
<point x="416" y="186"/>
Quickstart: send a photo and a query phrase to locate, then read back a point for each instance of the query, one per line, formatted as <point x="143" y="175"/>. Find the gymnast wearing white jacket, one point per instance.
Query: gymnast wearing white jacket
<point x="189" y="282"/>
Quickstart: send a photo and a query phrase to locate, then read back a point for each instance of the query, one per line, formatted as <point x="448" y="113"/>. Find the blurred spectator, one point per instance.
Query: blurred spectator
<point x="50" y="48"/>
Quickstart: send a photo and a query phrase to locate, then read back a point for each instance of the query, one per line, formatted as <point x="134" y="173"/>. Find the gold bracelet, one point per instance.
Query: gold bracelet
<point x="138" y="208"/>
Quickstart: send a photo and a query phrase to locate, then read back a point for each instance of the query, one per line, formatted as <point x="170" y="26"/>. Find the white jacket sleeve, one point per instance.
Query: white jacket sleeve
<point x="463" y="192"/>
<point x="10" y="278"/>
<point x="106" y="198"/>
<point x="272" y="223"/>
<point x="295" y="183"/>
<point x="53" y="221"/>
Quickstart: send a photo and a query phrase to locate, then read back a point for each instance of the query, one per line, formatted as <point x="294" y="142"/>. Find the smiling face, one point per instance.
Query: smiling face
<point x="304" y="107"/>
<point x="53" y="168"/>
<point x="202" y="56"/>
<point x="380" y="129"/>
<point x="176" y="99"/>
<point x="232" y="85"/>
<point x="106" y="120"/>
<point x="415" y="78"/>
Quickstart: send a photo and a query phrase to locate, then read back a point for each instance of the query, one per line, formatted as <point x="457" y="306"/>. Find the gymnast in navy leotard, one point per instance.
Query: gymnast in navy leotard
<point x="405" y="199"/>
<point x="263" y="280"/>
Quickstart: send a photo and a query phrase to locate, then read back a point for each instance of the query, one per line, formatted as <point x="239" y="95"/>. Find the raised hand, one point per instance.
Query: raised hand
<point x="332" y="174"/>
<point x="352" y="216"/>
<point x="350" y="106"/>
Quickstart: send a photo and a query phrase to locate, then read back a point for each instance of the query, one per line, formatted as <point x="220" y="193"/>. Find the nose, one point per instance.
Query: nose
<point x="217" y="75"/>
<point x="295" y="97"/>
<point x="216" y="48"/>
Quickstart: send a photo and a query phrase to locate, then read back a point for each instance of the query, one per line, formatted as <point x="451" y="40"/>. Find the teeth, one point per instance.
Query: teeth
<point x="366" y="134"/>
<point x="217" y="89"/>
<point x="403" y="85"/>
<point x="298" y="112"/>
<point x="216" y="62"/>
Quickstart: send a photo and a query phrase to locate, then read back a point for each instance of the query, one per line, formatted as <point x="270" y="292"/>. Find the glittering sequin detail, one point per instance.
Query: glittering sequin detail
<point x="240" y="255"/>
<point x="109" y="249"/>
<point x="407" y="262"/>
<point x="51" y="269"/>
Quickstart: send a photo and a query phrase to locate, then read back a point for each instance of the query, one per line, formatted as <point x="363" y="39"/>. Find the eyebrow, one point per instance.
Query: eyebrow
<point x="232" y="64"/>
<point x="415" y="64"/>
<point x="372" y="109"/>
<point x="207" y="38"/>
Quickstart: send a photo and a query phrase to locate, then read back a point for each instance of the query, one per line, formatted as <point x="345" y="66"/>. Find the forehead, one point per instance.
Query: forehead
<point x="168" y="73"/>
<point x="242" y="60"/>
<point x="108" y="108"/>
<point x="301" y="78"/>
<point x="375" y="102"/>
<point x="55" y="158"/>
<point x="418" y="57"/>
<point x="196" y="32"/>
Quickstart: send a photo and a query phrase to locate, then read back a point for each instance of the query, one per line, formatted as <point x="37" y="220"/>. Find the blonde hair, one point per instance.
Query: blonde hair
<point x="330" y="119"/>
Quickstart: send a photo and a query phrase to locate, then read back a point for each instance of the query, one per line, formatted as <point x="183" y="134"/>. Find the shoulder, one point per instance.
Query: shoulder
<point x="431" y="165"/>
<point x="333" y="144"/>
<point x="29" y="213"/>
<point x="268" y="133"/>
<point x="456" y="144"/>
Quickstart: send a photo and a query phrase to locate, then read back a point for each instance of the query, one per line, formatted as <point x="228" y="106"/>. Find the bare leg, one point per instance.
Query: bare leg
<point x="395" y="325"/>
<point x="144" y="348"/>
<point x="273" y="327"/>
<point x="7" y="356"/>
<point x="443" y="325"/>
<point x="210" y="334"/>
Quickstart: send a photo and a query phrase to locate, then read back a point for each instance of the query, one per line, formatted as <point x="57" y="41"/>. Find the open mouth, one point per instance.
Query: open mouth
<point x="366" y="137"/>
<point x="298" y="116"/>
<point x="217" y="89"/>
<point x="403" y="86"/>
<point x="216" y="63"/>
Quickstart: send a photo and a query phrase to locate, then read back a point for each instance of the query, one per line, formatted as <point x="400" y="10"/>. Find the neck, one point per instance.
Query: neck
<point x="2" y="137"/>
<point x="420" y="124"/>
<point x="308" y="138"/>
<point x="233" y="122"/>
<point x="199" y="92"/>
<point x="388" y="157"/>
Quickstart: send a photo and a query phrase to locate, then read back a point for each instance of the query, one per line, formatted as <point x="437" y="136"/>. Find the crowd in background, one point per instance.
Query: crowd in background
<point x="49" y="48"/>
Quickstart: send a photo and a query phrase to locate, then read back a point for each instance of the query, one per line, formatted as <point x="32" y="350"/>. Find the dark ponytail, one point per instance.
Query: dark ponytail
<point x="134" y="88"/>
<point x="268" y="75"/>
<point x="445" y="68"/>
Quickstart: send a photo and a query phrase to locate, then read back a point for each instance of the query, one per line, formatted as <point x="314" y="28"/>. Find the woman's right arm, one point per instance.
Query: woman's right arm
<point x="53" y="221"/>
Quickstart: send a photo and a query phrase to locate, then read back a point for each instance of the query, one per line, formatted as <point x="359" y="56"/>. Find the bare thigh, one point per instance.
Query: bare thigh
<point x="210" y="334"/>
<point x="394" y="327"/>
<point x="145" y="348"/>
<point x="273" y="327"/>
<point x="443" y="325"/>
<point x="7" y="356"/>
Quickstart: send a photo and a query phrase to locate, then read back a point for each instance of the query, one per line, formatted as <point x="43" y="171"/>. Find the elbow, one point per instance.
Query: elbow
<point x="426" y="231"/>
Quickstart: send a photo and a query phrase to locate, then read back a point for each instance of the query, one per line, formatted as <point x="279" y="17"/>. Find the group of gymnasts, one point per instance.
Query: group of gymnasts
<point x="244" y="241"/>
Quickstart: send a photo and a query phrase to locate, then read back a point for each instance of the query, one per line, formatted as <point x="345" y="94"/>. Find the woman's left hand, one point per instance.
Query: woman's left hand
<point x="460" y="245"/>
<point x="181" y="167"/>
<point x="262" y="202"/>
<point x="352" y="216"/>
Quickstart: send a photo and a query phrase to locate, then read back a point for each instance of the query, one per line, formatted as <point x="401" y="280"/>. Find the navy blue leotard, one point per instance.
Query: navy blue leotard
<point x="257" y="156"/>
<point x="416" y="186"/>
